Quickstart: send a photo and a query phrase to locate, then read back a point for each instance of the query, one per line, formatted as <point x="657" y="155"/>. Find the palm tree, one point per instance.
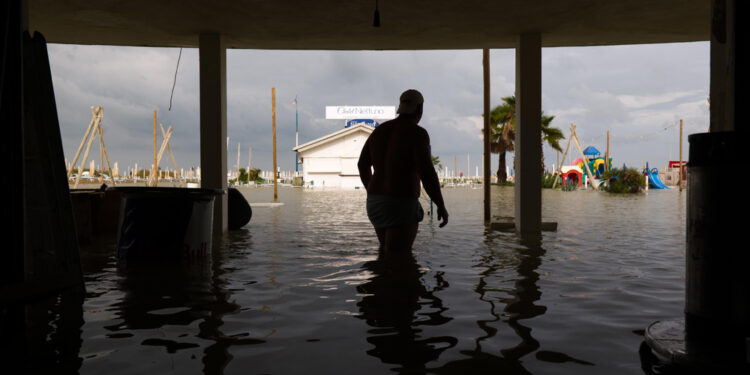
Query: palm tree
<point x="436" y="162"/>
<point x="552" y="136"/>
<point x="503" y="133"/>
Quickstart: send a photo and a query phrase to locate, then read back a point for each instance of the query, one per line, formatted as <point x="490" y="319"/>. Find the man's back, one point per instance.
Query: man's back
<point x="397" y="150"/>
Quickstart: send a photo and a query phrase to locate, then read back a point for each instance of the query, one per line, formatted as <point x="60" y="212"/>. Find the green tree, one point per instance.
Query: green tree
<point x="243" y="176"/>
<point x="253" y="174"/>
<point x="503" y="133"/>
<point x="436" y="162"/>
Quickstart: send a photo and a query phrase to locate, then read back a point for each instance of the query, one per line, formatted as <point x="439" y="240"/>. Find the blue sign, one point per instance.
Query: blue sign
<point x="370" y="122"/>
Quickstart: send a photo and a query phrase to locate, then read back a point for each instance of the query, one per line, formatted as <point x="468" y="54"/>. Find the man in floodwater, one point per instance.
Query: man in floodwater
<point x="399" y="153"/>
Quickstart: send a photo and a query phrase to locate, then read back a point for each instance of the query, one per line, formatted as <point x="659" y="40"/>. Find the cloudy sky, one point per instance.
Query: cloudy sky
<point x="639" y="93"/>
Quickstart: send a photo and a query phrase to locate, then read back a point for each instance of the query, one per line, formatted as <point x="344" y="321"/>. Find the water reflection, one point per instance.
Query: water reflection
<point x="496" y="260"/>
<point x="179" y="294"/>
<point x="217" y="356"/>
<point x="396" y="304"/>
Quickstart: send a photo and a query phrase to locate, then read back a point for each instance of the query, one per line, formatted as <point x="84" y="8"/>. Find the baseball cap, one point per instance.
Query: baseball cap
<point x="409" y="101"/>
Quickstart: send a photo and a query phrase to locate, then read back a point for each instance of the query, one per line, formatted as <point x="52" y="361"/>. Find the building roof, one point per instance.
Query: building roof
<point x="334" y="136"/>
<point x="348" y="25"/>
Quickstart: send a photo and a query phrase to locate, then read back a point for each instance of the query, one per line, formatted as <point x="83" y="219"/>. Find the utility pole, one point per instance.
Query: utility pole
<point x="680" y="155"/>
<point x="606" y="155"/>
<point x="275" y="180"/>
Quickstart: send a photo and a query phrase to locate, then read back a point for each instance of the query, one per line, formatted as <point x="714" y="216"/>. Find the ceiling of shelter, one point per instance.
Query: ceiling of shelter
<point x="348" y="24"/>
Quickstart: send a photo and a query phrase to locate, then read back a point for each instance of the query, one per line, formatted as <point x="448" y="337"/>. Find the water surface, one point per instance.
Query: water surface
<point x="299" y="290"/>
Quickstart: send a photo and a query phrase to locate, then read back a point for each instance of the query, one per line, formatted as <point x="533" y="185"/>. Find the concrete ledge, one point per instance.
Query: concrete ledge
<point x="507" y="224"/>
<point x="266" y="204"/>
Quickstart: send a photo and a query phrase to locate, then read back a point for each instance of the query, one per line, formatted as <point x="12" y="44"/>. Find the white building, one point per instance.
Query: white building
<point x="331" y="161"/>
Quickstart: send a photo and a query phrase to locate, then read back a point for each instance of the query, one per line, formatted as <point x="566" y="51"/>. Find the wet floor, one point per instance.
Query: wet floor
<point x="299" y="290"/>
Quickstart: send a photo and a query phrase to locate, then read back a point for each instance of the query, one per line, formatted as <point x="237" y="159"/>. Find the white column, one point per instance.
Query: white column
<point x="213" y="122"/>
<point x="528" y="189"/>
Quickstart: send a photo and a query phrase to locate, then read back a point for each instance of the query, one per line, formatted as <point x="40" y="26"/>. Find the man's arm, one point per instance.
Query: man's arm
<point x="430" y="179"/>
<point x="364" y="163"/>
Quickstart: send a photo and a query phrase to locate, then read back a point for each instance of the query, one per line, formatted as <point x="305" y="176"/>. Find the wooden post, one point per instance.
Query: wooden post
<point x="88" y="148"/>
<point x="680" y="155"/>
<point x="275" y="180"/>
<point x="101" y="157"/>
<point x="94" y="116"/>
<point x="105" y="156"/>
<point x="155" y="176"/>
<point x="606" y="155"/>
<point x="169" y="148"/>
<point x="153" y="169"/>
<point x="486" y="134"/>
<point x="580" y="149"/>
<point x="565" y="154"/>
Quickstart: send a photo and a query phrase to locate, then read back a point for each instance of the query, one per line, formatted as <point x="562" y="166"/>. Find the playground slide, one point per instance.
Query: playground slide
<point x="653" y="180"/>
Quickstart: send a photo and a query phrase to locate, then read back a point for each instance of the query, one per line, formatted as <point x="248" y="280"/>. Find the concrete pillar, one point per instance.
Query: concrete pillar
<point x="213" y="122"/>
<point x="723" y="65"/>
<point x="528" y="160"/>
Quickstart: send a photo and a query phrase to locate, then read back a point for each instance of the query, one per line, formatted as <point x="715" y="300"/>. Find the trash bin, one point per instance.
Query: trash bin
<point x="165" y="223"/>
<point x="717" y="308"/>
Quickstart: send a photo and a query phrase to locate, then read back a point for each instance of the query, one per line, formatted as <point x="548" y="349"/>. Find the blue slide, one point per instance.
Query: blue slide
<point x="653" y="180"/>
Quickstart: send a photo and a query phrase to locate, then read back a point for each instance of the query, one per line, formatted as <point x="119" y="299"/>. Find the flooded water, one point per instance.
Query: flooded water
<point x="298" y="291"/>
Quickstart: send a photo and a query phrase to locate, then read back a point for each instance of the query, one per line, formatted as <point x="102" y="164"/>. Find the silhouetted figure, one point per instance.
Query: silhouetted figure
<point x="399" y="153"/>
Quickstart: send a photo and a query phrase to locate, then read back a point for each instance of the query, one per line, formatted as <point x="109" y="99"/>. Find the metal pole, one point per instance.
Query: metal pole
<point x="275" y="180"/>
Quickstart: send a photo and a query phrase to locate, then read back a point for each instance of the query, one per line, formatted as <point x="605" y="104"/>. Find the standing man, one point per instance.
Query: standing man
<point x="399" y="153"/>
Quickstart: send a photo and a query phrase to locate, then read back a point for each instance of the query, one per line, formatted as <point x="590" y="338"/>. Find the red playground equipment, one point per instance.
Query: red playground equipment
<point x="571" y="175"/>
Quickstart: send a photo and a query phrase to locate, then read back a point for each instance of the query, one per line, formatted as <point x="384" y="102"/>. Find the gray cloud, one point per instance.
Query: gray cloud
<point x="636" y="92"/>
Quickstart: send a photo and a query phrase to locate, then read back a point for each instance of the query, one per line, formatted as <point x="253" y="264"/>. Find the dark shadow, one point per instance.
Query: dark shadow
<point x="396" y="304"/>
<point x="42" y="336"/>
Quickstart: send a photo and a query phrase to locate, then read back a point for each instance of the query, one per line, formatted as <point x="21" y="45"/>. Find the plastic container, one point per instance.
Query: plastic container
<point x="165" y="223"/>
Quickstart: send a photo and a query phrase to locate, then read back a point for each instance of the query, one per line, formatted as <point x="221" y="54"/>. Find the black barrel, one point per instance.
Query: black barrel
<point x="239" y="211"/>
<point x="717" y="309"/>
<point x="165" y="223"/>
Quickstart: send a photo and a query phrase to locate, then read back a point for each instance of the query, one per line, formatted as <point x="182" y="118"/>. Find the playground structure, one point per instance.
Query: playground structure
<point x="590" y="162"/>
<point x="571" y="176"/>
<point x="654" y="182"/>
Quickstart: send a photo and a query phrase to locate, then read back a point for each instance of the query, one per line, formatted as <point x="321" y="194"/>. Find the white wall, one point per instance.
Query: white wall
<point x="334" y="164"/>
